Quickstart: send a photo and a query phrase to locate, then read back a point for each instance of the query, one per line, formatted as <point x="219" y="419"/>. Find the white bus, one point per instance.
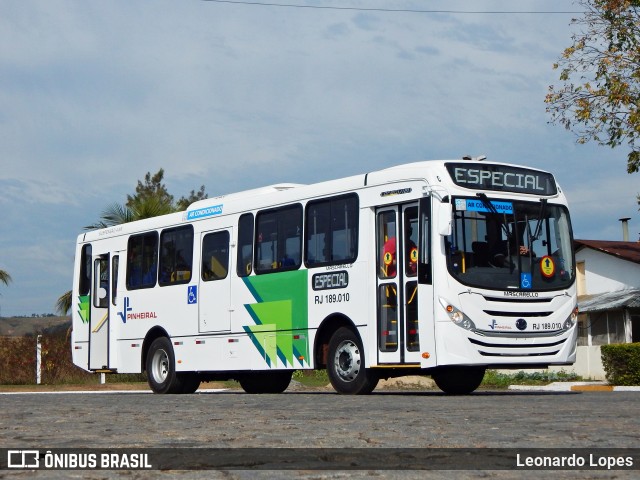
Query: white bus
<point x="440" y="268"/>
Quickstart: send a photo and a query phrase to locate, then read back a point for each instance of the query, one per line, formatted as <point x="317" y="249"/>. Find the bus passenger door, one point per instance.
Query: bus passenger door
<point x="99" y="318"/>
<point x="397" y="284"/>
<point x="215" y="289"/>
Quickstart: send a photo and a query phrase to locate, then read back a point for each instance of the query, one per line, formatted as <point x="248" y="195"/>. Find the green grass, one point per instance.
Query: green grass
<point x="311" y="378"/>
<point x="494" y="379"/>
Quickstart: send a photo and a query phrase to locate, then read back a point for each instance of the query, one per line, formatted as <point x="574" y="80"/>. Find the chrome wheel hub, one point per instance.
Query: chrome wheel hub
<point x="347" y="361"/>
<point x="160" y="366"/>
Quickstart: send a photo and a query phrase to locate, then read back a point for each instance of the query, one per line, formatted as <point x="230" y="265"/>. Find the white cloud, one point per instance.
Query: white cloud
<point x="16" y="192"/>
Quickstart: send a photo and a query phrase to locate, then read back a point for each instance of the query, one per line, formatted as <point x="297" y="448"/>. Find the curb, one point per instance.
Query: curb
<point x="575" y="387"/>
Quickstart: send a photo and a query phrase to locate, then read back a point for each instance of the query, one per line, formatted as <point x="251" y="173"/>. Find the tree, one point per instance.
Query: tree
<point x="152" y="197"/>
<point x="5" y="277"/>
<point x="150" y="200"/>
<point x="64" y="303"/>
<point x="152" y="189"/>
<point x="117" y="214"/>
<point x="604" y="62"/>
<point x="194" y="196"/>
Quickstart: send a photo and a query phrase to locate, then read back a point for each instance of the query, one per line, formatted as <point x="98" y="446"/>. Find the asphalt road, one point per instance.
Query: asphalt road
<point x="500" y="419"/>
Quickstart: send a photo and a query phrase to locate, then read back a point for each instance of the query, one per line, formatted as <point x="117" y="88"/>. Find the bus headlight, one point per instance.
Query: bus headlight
<point x="457" y="316"/>
<point x="571" y="321"/>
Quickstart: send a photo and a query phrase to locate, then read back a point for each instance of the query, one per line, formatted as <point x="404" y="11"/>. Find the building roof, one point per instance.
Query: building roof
<point x="629" y="251"/>
<point x="629" y="298"/>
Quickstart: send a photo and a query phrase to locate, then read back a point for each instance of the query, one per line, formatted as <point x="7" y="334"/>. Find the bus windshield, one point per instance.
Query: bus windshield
<point x="510" y="245"/>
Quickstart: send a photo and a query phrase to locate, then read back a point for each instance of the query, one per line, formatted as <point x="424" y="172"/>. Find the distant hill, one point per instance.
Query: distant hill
<point x="21" y="326"/>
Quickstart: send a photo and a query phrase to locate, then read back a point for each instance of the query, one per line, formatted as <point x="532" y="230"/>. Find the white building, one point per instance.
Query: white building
<point x="608" y="276"/>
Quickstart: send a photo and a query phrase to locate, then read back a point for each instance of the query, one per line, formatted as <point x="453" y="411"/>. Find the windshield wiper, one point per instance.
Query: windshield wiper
<point x="537" y="232"/>
<point x="492" y="209"/>
<point x="511" y="239"/>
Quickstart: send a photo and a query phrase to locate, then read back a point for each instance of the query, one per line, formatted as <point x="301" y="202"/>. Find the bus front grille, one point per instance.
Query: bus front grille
<point x="530" y="347"/>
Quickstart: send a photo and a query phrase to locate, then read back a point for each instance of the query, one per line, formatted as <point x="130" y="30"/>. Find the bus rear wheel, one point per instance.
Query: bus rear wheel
<point x="161" y="368"/>
<point x="345" y="364"/>
<point x="276" y="381"/>
<point x="458" y="380"/>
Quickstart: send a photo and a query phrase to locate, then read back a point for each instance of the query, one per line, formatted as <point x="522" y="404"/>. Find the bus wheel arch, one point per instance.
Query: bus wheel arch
<point x="346" y="363"/>
<point x="159" y="362"/>
<point x="161" y="367"/>
<point x="323" y="336"/>
<point x="155" y="332"/>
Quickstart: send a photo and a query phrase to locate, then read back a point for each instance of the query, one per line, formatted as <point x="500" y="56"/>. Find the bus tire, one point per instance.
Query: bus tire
<point x="161" y="367"/>
<point x="190" y="382"/>
<point x="458" y="380"/>
<point x="276" y="381"/>
<point x="345" y="364"/>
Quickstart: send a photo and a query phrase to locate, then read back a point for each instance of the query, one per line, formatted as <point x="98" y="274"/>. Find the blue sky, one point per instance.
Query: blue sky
<point x="95" y="94"/>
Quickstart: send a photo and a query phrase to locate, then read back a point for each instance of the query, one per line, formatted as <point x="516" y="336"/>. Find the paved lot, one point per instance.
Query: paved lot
<point x="504" y="419"/>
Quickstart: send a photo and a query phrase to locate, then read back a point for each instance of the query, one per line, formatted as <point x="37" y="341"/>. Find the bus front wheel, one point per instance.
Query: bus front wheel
<point x="275" y="381"/>
<point x="345" y="364"/>
<point x="190" y="382"/>
<point x="458" y="380"/>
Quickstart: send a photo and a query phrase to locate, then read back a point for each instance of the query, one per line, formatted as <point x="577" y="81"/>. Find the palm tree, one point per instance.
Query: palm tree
<point x="5" y="277"/>
<point x="63" y="305"/>
<point x="117" y="214"/>
<point x="114" y="214"/>
<point x="150" y="200"/>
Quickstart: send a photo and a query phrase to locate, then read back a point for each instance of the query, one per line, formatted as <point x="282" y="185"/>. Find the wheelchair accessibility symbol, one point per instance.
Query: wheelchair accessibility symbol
<point x="192" y="294"/>
<point x="525" y="280"/>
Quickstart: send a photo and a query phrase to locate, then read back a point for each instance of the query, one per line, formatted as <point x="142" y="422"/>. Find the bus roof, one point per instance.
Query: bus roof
<point x="433" y="172"/>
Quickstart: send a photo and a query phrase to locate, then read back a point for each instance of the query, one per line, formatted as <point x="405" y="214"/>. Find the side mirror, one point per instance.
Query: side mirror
<point x="445" y="212"/>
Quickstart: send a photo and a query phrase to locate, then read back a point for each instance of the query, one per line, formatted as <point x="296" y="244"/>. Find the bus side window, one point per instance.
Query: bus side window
<point x="101" y="281"/>
<point x="318" y="233"/>
<point x="142" y="260"/>
<point x="331" y="227"/>
<point x="425" y="274"/>
<point x="176" y="257"/>
<point x="266" y="241"/>
<point x="387" y="244"/>
<point x="278" y="239"/>
<point x="84" y="278"/>
<point x="215" y="256"/>
<point x="115" y="261"/>
<point x="245" y="245"/>
<point x="411" y="241"/>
